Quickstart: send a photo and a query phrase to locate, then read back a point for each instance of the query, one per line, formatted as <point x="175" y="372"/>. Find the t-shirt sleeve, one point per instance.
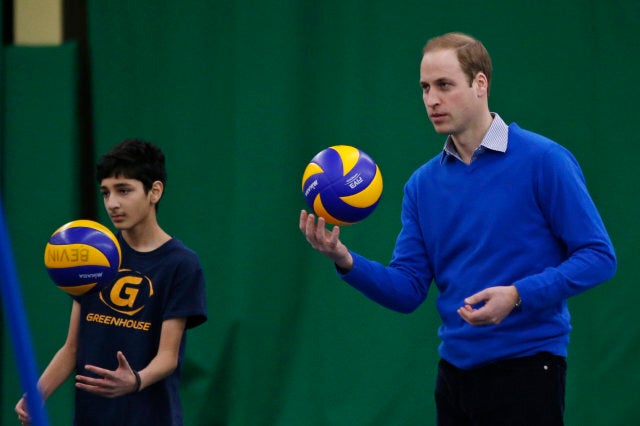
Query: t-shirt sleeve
<point x="187" y="298"/>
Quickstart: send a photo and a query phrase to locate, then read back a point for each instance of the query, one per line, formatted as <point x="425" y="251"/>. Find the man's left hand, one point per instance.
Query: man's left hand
<point x="497" y="303"/>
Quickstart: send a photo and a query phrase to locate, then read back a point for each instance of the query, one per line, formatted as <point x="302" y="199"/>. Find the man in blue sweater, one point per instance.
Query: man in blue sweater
<point x="502" y="222"/>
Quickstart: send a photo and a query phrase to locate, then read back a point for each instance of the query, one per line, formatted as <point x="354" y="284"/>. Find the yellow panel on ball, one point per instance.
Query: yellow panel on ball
<point x="349" y="156"/>
<point x="311" y="169"/>
<point x="368" y="196"/>
<point x="70" y="255"/>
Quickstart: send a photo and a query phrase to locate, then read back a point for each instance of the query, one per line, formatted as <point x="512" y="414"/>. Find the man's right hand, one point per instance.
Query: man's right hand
<point x="325" y="241"/>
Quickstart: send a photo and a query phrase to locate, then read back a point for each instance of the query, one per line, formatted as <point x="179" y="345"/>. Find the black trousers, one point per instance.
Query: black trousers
<point x="525" y="391"/>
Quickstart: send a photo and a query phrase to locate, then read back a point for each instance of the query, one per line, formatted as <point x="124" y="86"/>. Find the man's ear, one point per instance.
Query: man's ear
<point x="482" y="84"/>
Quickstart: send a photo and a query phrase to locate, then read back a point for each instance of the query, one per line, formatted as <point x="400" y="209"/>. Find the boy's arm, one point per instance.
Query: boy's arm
<point x="166" y="360"/>
<point x="60" y="367"/>
<point x="64" y="361"/>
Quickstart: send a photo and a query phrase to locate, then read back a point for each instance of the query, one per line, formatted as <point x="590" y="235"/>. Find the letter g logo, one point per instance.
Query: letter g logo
<point x="129" y="293"/>
<point x="124" y="291"/>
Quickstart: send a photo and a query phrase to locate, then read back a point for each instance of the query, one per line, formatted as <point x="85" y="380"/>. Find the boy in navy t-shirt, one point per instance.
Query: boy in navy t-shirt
<point x="126" y="342"/>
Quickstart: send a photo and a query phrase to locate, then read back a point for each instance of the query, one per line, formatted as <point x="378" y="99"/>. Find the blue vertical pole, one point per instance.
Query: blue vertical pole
<point x="18" y="328"/>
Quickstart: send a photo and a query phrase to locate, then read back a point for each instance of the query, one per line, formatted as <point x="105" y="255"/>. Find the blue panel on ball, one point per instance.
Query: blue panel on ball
<point x="312" y="187"/>
<point x="80" y="275"/>
<point x="341" y="210"/>
<point x="331" y="163"/>
<point x="90" y="237"/>
<point x="79" y="235"/>
<point x="357" y="178"/>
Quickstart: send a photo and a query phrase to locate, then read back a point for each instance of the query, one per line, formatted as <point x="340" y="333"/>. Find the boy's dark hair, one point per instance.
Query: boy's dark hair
<point x="133" y="159"/>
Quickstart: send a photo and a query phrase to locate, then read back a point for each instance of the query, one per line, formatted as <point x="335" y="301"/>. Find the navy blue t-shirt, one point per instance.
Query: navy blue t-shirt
<point x="127" y="316"/>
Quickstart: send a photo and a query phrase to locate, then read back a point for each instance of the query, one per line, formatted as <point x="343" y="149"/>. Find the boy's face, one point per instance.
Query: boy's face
<point x="127" y="203"/>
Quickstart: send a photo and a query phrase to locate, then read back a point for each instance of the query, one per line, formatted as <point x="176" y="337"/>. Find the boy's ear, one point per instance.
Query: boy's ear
<point x="157" y="188"/>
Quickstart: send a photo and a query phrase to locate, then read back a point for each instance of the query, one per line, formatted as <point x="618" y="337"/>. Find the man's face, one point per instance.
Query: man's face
<point x="452" y="104"/>
<point x="126" y="202"/>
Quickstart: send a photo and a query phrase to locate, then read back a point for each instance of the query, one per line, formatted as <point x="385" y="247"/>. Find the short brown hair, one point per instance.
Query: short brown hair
<point x="472" y="54"/>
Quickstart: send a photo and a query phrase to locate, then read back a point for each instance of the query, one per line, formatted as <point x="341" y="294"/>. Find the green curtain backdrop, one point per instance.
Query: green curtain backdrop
<point x="39" y="173"/>
<point x="240" y="95"/>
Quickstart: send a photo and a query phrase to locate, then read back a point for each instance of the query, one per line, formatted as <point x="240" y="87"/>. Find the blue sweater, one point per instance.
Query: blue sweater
<point x="522" y="217"/>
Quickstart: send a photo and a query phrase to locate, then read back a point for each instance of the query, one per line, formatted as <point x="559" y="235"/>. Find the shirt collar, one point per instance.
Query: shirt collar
<point x="495" y="139"/>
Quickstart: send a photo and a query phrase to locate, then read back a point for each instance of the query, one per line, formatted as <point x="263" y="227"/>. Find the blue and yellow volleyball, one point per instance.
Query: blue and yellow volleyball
<point x="342" y="184"/>
<point x="82" y="256"/>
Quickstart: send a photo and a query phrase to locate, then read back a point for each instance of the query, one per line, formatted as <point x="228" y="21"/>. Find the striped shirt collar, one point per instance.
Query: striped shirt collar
<point x="495" y="140"/>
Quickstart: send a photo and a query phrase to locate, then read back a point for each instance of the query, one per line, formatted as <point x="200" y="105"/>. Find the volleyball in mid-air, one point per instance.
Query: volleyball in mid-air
<point x="342" y="184"/>
<point x="82" y="256"/>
